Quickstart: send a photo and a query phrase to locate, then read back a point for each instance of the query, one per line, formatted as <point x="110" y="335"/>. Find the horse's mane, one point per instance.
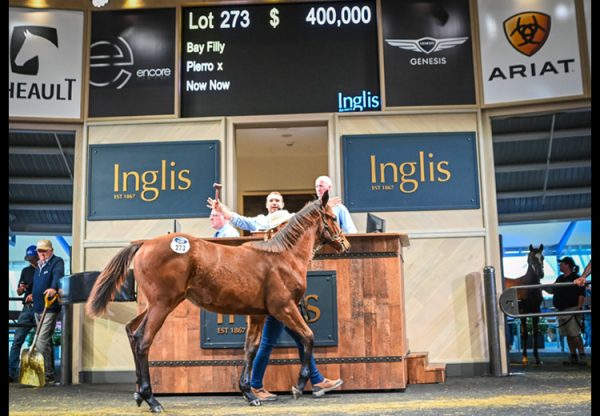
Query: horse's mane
<point x="287" y="237"/>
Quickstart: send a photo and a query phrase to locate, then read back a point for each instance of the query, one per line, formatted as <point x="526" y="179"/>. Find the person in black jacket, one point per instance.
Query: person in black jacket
<point x="45" y="282"/>
<point x="26" y="317"/>
<point x="570" y="298"/>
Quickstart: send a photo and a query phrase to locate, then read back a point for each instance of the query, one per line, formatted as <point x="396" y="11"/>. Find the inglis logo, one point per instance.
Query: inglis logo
<point x="364" y="101"/>
<point x="29" y="45"/>
<point x="528" y="31"/>
<point x="149" y="183"/>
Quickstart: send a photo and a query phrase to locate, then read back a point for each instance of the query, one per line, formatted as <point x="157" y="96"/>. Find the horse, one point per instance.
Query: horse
<point x="530" y="299"/>
<point x="36" y="46"/>
<point x="257" y="278"/>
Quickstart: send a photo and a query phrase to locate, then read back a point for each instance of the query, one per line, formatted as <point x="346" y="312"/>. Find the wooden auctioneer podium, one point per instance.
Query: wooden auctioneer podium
<point x="368" y="351"/>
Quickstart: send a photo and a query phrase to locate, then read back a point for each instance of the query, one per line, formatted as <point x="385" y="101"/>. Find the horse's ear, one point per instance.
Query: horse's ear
<point x="530" y="247"/>
<point x="325" y="198"/>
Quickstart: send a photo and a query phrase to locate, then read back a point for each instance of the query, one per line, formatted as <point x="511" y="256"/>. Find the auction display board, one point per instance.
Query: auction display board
<point x="279" y="59"/>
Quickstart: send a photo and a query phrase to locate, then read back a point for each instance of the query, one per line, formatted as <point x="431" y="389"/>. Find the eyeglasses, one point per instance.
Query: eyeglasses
<point x="39" y="250"/>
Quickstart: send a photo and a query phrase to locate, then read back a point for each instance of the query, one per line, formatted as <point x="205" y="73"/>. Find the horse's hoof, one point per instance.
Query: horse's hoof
<point x="296" y="392"/>
<point x="255" y="402"/>
<point x="157" y="409"/>
<point x="138" y="399"/>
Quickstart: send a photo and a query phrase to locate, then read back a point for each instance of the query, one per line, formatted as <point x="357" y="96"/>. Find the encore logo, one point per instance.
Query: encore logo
<point x="108" y="63"/>
<point x="528" y="31"/>
<point x="32" y="47"/>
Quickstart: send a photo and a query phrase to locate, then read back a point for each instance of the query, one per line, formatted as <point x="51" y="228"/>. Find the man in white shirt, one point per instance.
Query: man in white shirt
<point x="324" y="183"/>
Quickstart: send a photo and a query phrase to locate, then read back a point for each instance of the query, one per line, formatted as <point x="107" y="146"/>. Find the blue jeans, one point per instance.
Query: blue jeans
<point x="26" y="317"/>
<point x="273" y="328"/>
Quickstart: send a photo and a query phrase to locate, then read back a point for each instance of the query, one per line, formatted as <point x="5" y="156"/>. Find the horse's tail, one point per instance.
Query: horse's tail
<point x="109" y="281"/>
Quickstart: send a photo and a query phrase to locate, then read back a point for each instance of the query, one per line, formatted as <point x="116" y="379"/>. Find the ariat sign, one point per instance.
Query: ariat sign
<point x="45" y="49"/>
<point x="410" y="172"/>
<point x="151" y="180"/>
<point x="529" y="50"/>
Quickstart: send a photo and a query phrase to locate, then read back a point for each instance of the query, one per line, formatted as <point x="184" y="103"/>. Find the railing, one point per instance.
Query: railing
<point x="13" y="316"/>
<point x="509" y="302"/>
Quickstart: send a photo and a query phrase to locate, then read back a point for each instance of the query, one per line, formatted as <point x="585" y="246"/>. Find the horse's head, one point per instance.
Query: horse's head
<point x="330" y="232"/>
<point x="535" y="259"/>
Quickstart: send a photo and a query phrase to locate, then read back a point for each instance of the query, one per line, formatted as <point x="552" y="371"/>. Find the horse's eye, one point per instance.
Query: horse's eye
<point x="334" y="218"/>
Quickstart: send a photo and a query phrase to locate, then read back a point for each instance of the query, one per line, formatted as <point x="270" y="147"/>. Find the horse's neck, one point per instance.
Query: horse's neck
<point x="303" y="243"/>
<point x="306" y="243"/>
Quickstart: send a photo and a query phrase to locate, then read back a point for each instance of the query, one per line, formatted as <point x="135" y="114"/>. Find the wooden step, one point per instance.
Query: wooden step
<point x="420" y="371"/>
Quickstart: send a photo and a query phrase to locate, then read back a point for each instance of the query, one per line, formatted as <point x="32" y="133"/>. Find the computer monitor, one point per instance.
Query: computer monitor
<point x="375" y="224"/>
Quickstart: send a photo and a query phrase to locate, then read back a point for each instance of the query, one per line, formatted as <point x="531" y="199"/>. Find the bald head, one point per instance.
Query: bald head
<point x="322" y="184"/>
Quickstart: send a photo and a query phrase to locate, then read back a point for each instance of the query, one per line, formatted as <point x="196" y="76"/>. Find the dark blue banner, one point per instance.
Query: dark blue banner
<point x="151" y="180"/>
<point x="410" y="172"/>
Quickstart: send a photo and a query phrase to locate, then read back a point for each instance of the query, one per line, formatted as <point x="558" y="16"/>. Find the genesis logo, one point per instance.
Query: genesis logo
<point x="107" y="63"/>
<point x="426" y="45"/>
<point x="32" y="47"/>
<point x="528" y="31"/>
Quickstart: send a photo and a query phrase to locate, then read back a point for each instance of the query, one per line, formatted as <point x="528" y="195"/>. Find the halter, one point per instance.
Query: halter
<point x="335" y="238"/>
<point x="534" y="266"/>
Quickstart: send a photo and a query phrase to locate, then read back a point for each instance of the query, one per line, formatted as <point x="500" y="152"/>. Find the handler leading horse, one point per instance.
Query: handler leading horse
<point x="256" y="278"/>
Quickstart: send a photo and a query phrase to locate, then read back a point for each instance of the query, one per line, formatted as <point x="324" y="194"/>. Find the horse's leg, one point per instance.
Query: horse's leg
<point x="290" y="316"/>
<point x="535" y="322"/>
<point x="525" y="361"/>
<point x="130" y="328"/>
<point x="253" y="335"/>
<point x="144" y="336"/>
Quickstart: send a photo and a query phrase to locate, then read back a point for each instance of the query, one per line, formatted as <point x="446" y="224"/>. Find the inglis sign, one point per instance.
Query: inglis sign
<point x="152" y="180"/>
<point x="410" y="172"/>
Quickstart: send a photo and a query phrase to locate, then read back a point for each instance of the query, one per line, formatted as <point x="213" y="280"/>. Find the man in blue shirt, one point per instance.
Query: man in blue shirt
<point x="276" y="216"/>
<point x="222" y="226"/>
<point x="26" y="317"/>
<point x="324" y="183"/>
<point x="46" y="282"/>
<point x="273" y="328"/>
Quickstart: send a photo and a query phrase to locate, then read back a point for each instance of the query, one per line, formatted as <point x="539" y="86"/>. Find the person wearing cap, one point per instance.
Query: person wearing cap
<point x="273" y="328"/>
<point x="45" y="282"/>
<point x="570" y="298"/>
<point x="26" y="320"/>
<point x="324" y="183"/>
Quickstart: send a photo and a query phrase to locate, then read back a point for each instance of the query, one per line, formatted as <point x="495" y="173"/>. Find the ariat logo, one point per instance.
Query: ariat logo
<point x="528" y="31"/>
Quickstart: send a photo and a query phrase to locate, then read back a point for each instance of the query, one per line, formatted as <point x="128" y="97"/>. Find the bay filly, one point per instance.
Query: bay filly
<point x="257" y="278"/>
<point x="530" y="300"/>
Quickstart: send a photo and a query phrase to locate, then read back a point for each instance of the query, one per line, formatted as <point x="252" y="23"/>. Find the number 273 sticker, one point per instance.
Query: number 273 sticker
<point x="180" y="245"/>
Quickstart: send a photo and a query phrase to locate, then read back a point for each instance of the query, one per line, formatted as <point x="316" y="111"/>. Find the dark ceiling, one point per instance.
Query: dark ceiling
<point x="40" y="185"/>
<point x="543" y="166"/>
<point x="542" y="162"/>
